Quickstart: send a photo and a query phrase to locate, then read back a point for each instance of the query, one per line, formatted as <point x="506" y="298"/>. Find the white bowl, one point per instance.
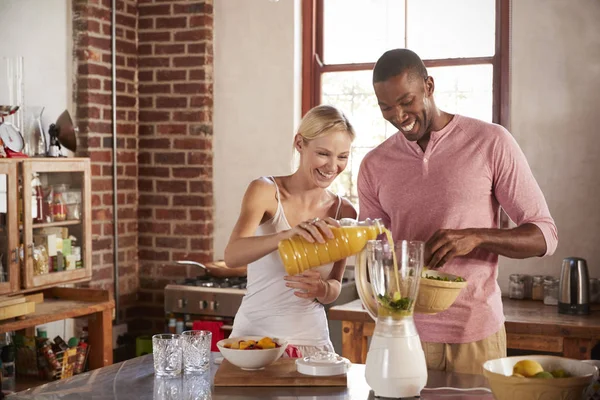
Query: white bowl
<point x="251" y="359"/>
<point x="507" y="387"/>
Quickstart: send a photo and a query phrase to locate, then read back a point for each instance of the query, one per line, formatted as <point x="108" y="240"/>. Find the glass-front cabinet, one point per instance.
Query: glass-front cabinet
<point x="45" y="223"/>
<point x="56" y="223"/>
<point x="9" y="239"/>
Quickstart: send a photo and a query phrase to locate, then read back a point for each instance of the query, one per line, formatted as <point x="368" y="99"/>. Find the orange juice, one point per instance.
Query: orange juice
<point x="298" y="254"/>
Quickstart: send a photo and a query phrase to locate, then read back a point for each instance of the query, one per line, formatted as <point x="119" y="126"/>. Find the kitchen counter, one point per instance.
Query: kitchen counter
<point x="134" y="379"/>
<point x="530" y="325"/>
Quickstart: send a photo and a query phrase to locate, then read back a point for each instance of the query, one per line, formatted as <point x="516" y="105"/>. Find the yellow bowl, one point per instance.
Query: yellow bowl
<point x="251" y="359"/>
<point x="436" y="296"/>
<point x="506" y="387"/>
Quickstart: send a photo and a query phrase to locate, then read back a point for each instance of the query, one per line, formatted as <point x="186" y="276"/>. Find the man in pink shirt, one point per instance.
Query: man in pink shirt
<point x="442" y="179"/>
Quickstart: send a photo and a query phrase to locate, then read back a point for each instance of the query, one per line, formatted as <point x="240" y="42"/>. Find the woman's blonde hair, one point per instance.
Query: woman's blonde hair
<point x="322" y="120"/>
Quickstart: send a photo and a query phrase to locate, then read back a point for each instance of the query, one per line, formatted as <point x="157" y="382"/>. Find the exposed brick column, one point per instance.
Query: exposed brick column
<point x="93" y="115"/>
<point x="175" y="160"/>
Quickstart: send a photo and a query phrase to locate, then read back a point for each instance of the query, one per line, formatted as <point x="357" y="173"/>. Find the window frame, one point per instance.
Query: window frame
<point x="313" y="67"/>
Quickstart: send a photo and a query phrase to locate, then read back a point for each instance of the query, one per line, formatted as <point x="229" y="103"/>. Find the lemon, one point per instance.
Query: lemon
<point x="543" y="375"/>
<point x="518" y="375"/>
<point x="397" y="296"/>
<point x="527" y="368"/>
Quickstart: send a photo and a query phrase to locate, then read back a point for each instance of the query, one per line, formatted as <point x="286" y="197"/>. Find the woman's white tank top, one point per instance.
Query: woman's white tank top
<point x="269" y="308"/>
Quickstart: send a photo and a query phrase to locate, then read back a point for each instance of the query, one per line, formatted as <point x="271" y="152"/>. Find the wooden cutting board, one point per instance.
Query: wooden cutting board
<point x="281" y="373"/>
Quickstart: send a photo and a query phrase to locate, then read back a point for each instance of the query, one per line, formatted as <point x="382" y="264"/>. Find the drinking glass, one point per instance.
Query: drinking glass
<point x="166" y="348"/>
<point x="196" y="350"/>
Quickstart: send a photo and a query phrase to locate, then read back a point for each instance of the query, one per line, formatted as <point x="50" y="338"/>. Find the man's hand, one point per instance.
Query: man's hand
<point x="446" y="244"/>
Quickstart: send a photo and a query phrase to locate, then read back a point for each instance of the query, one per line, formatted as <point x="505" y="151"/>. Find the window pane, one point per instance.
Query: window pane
<point x="451" y="29"/>
<point x="361" y="30"/>
<point x="466" y="90"/>
<point x="352" y="92"/>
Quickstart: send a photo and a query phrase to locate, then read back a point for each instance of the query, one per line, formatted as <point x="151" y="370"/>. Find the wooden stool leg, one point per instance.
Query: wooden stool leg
<point x="100" y="337"/>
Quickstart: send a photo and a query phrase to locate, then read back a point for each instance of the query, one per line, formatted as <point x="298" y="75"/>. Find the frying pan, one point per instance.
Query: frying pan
<point x="218" y="269"/>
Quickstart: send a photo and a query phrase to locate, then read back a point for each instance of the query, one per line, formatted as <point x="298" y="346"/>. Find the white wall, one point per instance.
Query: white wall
<point x="40" y="31"/>
<point x="257" y="99"/>
<point x="555" y="103"/>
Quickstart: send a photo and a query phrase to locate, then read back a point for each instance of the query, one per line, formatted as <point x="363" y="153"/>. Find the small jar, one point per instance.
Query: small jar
<point x="516" y="287"/>
<point x="550" y="291"/>
<point x="537" y="289"/>
<point x="528" y="286"/>
<point x="594" y="290"/>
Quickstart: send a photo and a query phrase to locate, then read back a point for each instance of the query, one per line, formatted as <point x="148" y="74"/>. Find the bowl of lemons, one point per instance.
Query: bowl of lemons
<point x="252" y="352"/>
<point x="539" y="377"/>
<point x="437" y="291"/>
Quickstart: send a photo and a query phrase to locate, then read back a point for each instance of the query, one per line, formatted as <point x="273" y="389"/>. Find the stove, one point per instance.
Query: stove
<point x="205" y="295"/>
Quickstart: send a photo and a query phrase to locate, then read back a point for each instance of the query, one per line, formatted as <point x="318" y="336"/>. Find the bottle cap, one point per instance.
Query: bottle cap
<point x="73" y="342"/>
<point x="323" y="363"/>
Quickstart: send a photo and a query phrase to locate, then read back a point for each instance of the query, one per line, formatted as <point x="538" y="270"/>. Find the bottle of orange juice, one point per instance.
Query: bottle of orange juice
<point x="298" y="254"/>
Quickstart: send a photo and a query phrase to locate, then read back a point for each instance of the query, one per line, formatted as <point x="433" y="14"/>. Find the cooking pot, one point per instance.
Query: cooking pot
<point x="217" y="269"/>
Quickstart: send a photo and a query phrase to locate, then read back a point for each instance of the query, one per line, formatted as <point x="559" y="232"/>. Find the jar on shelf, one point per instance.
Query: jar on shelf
<point x="537" y="288"/>
<point x="516" y="286"/>
<point x="594" y="290"/>
<point x="59" y="207"/>
<point x="550" y="291"/>
<point x="528" y="286"/>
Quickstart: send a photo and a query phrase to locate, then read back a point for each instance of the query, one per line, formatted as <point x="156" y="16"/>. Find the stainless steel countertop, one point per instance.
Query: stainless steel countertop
<point x="134" y="379"/>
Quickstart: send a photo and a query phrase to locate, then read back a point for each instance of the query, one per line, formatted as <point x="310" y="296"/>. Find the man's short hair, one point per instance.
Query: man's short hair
<point x="396" y="62"/>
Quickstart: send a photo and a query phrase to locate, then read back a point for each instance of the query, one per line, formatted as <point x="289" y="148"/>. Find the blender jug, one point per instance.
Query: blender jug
<point x="387" y="280"/>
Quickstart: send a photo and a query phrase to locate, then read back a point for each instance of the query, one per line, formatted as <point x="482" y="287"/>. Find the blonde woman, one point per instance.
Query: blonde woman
<point x="277" y="208"/>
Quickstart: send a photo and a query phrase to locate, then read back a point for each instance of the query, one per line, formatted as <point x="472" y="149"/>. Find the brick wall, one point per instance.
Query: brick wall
<point x="175" y="160"/>
<point x="164" y="140"/>
<point x="93" y="115"/>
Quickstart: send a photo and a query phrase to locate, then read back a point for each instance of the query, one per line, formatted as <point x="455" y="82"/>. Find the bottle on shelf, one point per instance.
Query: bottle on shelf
<point x="38" y="205"/>
<point x="84" y="335"/>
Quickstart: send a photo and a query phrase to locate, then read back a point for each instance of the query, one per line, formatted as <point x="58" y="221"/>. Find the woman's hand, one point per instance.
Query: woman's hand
<point x="316" y="229"/>
<point x="310" y="285"/>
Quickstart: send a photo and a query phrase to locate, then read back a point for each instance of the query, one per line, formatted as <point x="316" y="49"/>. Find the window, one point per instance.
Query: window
<point x="464" y="44"/>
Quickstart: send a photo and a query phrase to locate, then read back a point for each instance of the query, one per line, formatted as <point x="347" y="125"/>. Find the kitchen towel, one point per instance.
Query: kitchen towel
<point x="211" y="326"/>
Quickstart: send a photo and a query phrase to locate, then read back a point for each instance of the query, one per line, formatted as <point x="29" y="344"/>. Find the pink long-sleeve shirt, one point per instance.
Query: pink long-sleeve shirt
<point x="469" y="169"/>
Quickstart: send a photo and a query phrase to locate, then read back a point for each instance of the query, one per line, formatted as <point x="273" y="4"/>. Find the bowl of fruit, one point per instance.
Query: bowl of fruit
<point x="252" y="352"/>
<point x="437" y="291"/>
<point x="538" y="377"/>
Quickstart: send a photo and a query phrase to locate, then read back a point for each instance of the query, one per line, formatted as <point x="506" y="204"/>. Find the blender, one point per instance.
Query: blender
<point x="387" y="280"/>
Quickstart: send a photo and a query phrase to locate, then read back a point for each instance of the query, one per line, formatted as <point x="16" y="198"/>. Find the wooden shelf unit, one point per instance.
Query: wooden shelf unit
<point x="61" y="303"/>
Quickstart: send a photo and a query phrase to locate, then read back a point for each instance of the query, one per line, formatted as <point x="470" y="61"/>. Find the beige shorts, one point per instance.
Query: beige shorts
<point x="465" y="358"/>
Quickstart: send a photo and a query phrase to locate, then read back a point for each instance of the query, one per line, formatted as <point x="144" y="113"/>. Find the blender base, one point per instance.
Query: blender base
<point x="396" y="366"/>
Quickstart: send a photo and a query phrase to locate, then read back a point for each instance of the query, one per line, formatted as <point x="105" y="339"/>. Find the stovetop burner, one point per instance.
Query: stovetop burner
<point x="212" y="282"/>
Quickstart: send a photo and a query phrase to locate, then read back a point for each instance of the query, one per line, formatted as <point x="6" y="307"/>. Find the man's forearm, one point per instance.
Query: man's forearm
<point x="523" y="241"/>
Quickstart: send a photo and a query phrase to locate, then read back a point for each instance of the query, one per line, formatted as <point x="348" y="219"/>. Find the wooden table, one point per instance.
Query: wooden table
<point x="530" y="325"/>
<point x="61" y="303"/>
